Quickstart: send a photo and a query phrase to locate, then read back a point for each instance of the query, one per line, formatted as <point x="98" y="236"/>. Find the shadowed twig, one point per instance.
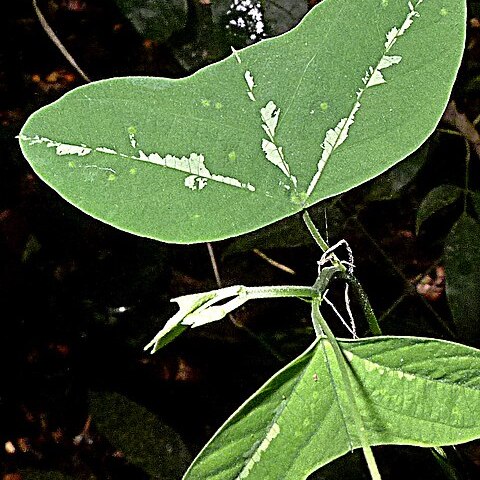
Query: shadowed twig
<point x="53" y="37"/>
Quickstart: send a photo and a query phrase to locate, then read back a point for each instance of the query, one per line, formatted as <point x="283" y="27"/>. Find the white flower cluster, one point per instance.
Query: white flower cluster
<point x="247" y="15"/>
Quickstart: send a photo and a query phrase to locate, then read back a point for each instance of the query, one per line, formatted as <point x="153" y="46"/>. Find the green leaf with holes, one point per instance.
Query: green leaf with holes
<point x="272" y="129"/>
<point x="413" y="391"/>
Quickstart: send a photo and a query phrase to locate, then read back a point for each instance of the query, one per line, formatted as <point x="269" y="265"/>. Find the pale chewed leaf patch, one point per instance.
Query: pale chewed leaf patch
<point x="256" y="455"/>
<point x="194" y="182"/>
<point x="274" y="154"/>
<point x="250" y="84"/>
<point x="194" y="164"/>
<point x="373" y="76"/>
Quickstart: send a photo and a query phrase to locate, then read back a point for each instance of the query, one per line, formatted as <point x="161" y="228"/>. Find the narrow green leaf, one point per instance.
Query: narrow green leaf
<point x="436" y="199"/>
<point x="413" y="391"/>
<point x="191" y="308"/>
<point x="353" y="89"/>
<point x="155" y="19"/>
<point x="449" y="469"/>
<point x="199" y="309"/>
<point x="139" y="434"/>
<point x="462" y="258"/>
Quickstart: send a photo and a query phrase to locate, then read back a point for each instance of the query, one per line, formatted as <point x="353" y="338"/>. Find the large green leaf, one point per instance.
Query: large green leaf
<point x="462" y="258"/>
<point x="188" y="160"/>
<point x="413" y="391"/>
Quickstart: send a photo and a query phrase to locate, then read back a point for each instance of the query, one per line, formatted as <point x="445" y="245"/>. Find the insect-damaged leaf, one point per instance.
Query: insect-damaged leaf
<point x="357" y="86"/>
<point x="413" y="391"/>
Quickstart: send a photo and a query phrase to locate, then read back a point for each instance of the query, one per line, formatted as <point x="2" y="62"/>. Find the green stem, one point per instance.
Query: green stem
<point x="320" y="241"/>
<point x="314" y="231"/>
<point x="282" y="291"/>
<point x="373" y="325"/>
<point x="362" y="296"/>
<point x="343" y="366"/>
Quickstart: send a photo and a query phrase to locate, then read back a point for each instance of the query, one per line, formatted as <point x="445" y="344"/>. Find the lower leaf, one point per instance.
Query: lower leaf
<point x="410" y="391"/>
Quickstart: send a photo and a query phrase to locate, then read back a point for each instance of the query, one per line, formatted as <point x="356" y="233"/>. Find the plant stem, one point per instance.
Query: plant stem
<point x="347" y="385"/>
<point x="321" y="327"/>
<point x="364" y="302"/>
<point x="282" y="291"/>
<point x="314" y="231"/>
<point x="57" y="42"/>
<point x="373" y="325"/>
<point x="320" y="241"/>
<point x="449" y="131"/>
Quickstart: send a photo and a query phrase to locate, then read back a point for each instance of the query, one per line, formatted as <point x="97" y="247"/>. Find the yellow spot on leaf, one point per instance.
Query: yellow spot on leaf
<point x="218" y="105"/>
<point x="443" y="12"/>
<point x="205" y="103"/>
<point x="298" y="198"/>
<point x="112" y="177"/>
<point x="133" y="171"/>
<point x="324" y="106"/>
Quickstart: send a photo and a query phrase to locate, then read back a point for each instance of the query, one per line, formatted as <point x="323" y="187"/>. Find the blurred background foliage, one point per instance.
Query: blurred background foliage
<point x="78" y="396"/>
